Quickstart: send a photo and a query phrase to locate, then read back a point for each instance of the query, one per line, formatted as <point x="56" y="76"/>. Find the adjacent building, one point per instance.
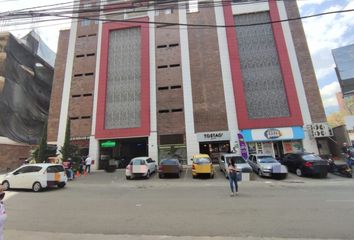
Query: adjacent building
<point x="26" y="74"/>
<point x="175" y="79"/>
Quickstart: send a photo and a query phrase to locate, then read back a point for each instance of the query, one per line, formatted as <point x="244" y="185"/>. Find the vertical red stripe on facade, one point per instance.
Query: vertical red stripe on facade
<point x="144" y="129"/>
<point x="295" y="118"/>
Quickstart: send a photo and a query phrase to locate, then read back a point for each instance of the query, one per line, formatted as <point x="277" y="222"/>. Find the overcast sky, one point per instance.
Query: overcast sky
<point x="323" y="34"/>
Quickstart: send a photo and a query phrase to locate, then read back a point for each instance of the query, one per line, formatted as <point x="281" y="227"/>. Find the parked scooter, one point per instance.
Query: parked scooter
<point x="339" y="169"/>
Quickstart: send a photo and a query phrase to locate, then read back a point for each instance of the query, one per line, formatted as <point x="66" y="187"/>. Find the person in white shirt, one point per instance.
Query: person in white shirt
<point x="2" y="212"/>
<point x="88" y="162"/>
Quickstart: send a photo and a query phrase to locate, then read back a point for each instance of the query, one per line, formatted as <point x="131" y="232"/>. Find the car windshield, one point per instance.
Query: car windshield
<point x="267" y="160"/>
<point x="169" y="162"/>
<point x="311" y="157"/>
<point x="138" y="162"/>
<point x="201" y="160"/>
<point x="237" y="159"/>
<point x="55" y="169"/>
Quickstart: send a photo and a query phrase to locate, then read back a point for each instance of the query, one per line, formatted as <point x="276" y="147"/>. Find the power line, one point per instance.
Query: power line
<point x="60" y="16"/>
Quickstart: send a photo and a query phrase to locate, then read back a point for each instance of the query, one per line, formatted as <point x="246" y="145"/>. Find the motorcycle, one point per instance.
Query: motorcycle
<point x="339" y="169"/>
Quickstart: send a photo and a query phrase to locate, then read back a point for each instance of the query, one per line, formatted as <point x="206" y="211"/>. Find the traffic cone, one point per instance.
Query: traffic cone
<point x="77" y="174"/>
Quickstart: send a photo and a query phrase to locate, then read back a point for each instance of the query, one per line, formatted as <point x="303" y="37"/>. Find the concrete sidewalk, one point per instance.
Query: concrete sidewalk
<point x="29" y="235"/>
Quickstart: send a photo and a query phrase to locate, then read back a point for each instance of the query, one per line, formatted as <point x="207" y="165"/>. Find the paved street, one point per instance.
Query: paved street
<point x="106" y="206"/>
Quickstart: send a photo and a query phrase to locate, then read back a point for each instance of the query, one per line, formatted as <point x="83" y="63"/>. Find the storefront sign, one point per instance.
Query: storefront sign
<point x="213" y="136"/>
<point x="266" y="134"/>
<point x="272" y="133"/>
<point x="243" y="146"/>
<point x="108" y="144"/>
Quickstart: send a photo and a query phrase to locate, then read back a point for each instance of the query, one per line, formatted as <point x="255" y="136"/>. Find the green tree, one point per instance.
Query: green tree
<point x="42" y="149"/>
<point x="66" y="150"/>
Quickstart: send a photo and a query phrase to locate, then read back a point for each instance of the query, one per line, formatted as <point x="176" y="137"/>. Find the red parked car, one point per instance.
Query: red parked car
<point x="170" y="167"/>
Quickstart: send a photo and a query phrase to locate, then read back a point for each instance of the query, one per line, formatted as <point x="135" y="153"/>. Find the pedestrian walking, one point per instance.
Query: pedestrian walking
<point x="232" y="171"/>
<point x="2" y="212"/>
<point x="88" y="162"/>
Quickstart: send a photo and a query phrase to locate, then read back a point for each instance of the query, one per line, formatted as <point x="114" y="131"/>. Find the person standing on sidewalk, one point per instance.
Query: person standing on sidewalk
<point x="88" y="162"/>
<point x="2" y="212"/>
<point x="232" y="170"/>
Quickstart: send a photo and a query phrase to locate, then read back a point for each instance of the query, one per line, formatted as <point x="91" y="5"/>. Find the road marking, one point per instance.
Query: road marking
<point x="138" y="205"/>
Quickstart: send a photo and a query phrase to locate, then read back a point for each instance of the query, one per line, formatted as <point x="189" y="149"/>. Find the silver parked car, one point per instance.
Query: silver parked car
<point x="267" y="165"/>
<point x="241" y="164"/>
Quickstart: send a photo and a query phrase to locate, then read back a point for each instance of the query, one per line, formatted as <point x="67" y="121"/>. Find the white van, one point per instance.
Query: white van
<point x="36" y="177"/>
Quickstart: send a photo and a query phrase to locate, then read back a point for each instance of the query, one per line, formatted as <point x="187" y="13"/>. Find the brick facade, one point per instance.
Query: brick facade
<point x="169" y="85"/>
<point x="207" y="85"/>
<point x="305" y="63"/>
<point x="57" y="87"/>
<point x="83" y="78"/>
<point x="13" y="156"/>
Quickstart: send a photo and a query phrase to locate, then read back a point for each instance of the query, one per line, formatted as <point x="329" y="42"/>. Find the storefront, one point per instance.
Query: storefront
<point x="213" y="143"/>
<point x="122" y="150"/>
<point x="274" y="141"/>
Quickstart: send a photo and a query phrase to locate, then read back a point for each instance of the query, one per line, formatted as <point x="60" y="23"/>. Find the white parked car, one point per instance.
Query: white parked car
<point x="267" y="165"/>
<point x="36" y="177"/>
<point x="140" y="167"/>
<point x="241" y="164"/>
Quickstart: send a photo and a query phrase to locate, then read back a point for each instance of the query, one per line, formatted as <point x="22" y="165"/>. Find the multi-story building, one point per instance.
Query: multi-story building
<point x="181" y="78"/>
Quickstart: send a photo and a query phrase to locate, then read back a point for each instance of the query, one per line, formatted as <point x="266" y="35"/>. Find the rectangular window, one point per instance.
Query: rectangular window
<point x="85" y="117"/>
<point x="87" y="94"/>
<point x="176" y="87"/>
<point x="92" y="35"/>
<point x="177" y="110"/>
<point x="74" y="118"/>
<point x="85" y="22"/>
<point x="90" y="54"/>
<point x="89" y="74"/>
<point x="162" y="46"/>
<point x="162" y="66"/>
<point x="80" y="55"/>
<point x="172" y="139"/>
<point x="123" y="102"/>
<point x="262" y="77"/>
<point x="174" y="45"/>
<point x="164" y="111"/>
<point x="192" y="6"/>
<point x="174" y="65"/>
<point x="163" y="88"/>
<point x="81" y="36"/>
<point x="76" y="96"/>
<point x="78" y="75"/>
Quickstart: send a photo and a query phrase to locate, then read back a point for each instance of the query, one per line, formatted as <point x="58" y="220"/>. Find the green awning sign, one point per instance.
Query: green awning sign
<point x="108" y="144"/>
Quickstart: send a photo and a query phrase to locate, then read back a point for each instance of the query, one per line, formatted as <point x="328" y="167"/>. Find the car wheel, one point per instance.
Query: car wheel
<point x="61" y="185"/>
<point x="6" y="185"/>
<point x="128" y="177"/>
<point x="260" y="172"/>
<point x="36" y="187"/>
<point x="148" y="175"/>
<point x="298" y="172"/>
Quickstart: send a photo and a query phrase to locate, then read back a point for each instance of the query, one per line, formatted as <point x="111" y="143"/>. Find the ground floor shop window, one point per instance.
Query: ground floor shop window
<point x="213" y="149"/>
<point x="178" y="151"/>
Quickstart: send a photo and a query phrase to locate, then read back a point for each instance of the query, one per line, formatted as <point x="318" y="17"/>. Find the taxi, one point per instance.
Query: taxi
<point x="202" y="165"/>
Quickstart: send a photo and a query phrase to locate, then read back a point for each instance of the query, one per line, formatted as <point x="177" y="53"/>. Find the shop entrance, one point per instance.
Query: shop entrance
<point x="213" y="149"/>
<point x="122" y="150"/>
<point x="278" y="150"/>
